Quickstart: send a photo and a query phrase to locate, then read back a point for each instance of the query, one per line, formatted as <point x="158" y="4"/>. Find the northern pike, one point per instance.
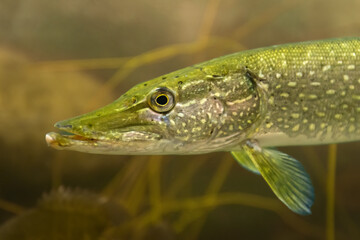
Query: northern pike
<point x="245" y="103"/>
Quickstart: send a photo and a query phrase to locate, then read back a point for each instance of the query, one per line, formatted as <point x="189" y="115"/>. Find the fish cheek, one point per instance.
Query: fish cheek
<point x="195" y="121"/>
<point x="240" y="116"/>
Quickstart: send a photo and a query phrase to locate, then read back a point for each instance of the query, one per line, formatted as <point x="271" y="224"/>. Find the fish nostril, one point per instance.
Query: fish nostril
<point x="59" y="125"/>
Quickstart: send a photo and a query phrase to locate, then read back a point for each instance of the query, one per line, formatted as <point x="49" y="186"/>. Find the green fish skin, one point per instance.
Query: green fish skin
<point x="294" y="94"/>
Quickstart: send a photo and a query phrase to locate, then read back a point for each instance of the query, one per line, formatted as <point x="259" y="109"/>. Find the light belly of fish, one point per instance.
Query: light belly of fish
<point x="294" y="94"/>
<point x="282" y="139"/>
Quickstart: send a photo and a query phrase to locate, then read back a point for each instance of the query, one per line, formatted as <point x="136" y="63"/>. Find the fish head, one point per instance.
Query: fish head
<point x="185" y="112"/>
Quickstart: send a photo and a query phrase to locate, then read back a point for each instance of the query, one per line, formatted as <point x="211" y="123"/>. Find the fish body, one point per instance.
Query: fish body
<point x="293" y="94"/>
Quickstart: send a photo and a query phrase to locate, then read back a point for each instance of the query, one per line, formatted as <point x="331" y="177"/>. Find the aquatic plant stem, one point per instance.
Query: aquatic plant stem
<point x="57" y="171"/>
<point x="330" y="193"/>
<point x="155" y="186"/>
<point x="11" y="207"/>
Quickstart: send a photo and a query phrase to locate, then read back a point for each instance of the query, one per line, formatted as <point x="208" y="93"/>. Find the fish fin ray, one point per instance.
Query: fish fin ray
<point x="245" y="161"/>
<point x="285" y="175"/>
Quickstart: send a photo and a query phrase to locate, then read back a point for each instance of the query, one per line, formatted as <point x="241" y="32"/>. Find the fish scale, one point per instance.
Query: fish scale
<point x="313" y="89"/>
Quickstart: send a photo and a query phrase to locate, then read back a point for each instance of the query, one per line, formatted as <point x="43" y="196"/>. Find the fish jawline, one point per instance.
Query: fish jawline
<point x="59" y="141"/>
<point x="95" y="145"/>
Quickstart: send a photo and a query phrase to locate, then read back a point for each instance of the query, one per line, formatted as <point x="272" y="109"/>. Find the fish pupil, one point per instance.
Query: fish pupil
<point x="162" y="100"/>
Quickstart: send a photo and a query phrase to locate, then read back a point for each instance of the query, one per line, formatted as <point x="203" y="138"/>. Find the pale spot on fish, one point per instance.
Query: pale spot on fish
<point x="181" y="115"/>
<point x="312" y="96"/>
<point x="292" y="84"/>
<point x="356" y="97"/>
<point x="271" y="100"/>
<point x="332" y="81"/>
<point x="338" y="116"/>
<point x="295" y="115"/>
<point x="296" y="128"/>
<point x="330" y="91"/>
<point x="285" y="95"/>
<point x="311" y="72"/>
<point x="351" y="128"/>
<point x="311" y="126"/>
<point x="346" y="78"/>
<point x="326" y="67"/>
<point x="315" y="84"/>
<point x="278" y="75"/>
<point x="351" y="67"/>
<point x="299" y="74"/>
<point x="351" y="87"/>
<point x="320" y="114"/>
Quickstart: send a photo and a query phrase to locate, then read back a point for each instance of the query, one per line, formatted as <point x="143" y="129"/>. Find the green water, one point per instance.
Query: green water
<point x="60" y="59"/>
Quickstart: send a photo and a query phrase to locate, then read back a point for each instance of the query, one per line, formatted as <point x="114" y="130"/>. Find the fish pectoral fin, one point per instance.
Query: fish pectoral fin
<point x="242" y="157"/>
<point x="285" y="175"/>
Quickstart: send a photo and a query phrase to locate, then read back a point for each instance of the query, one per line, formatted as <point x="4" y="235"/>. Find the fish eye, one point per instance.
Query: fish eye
<point x="162" y="100"/>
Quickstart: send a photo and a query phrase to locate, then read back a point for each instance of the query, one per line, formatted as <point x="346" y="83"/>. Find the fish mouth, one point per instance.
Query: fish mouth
<point x="67" y="139"/>
<point x="70" y="139"/>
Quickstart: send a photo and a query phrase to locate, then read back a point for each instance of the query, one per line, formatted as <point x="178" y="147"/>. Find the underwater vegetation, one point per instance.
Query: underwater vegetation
<point x="54" y="64"/>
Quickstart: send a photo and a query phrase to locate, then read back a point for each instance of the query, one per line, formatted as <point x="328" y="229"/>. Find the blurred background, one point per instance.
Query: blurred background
<point x="63" y="58"/>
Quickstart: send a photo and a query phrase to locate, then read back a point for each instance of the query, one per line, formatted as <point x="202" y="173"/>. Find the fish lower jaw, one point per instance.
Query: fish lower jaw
<point x="59" y="141"/>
